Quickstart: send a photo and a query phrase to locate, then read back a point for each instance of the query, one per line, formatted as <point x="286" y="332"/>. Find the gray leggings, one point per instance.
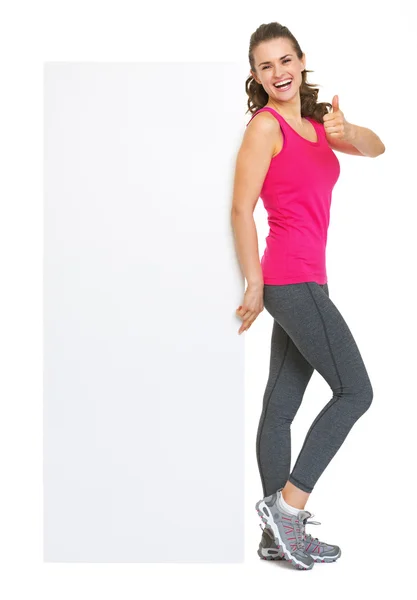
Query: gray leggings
<point x="308" y="333"/>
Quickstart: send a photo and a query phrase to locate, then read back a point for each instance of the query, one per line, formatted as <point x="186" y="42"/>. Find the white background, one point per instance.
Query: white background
<point x="364" y="53"/>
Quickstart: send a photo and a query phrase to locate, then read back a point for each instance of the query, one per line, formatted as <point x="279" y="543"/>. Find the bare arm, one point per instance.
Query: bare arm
<point x="366" y="141"/>
<point x="252" y="165"/>
<point x="363" y="142"/>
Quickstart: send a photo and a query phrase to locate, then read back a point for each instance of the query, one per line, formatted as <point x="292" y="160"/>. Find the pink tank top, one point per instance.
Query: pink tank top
<point x="297" y="194"/>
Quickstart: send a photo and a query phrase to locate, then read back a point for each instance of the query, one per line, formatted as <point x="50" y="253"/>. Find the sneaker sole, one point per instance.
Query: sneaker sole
<point x="286" y="554"/>
<point x="262" y="553"/>
<point x="318" y="558"/>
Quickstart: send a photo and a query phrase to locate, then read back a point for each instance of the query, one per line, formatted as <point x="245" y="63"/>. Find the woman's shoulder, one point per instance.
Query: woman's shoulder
<point x="266" y="119"/>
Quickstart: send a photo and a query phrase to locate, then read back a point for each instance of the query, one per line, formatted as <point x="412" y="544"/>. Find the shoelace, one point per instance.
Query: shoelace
<point x="300" y="533"/>
<point x="307" y="522"/>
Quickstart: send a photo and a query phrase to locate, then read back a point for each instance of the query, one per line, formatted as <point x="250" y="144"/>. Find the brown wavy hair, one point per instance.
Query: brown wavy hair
<point x="257" y="96"/>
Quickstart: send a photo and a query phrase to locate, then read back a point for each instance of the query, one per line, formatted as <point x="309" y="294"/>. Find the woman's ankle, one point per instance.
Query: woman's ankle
<point x="293" y="496"/>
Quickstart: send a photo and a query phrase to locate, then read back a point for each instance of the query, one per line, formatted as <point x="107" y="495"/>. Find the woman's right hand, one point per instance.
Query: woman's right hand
<point x="252" y="305"/>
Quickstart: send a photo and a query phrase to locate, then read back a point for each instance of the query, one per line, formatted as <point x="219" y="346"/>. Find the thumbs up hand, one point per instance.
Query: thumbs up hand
<point x="335" y="124"/>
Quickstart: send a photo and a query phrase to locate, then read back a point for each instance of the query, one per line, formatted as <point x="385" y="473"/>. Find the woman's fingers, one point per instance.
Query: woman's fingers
<point x="253" y="299"/>
<point x="246" y="315"/>
<point x="248" y="319"/>
<point x="243" y="314"/>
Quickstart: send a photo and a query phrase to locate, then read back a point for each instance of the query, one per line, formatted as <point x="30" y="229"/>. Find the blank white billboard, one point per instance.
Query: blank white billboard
<point x="144" y="370"/>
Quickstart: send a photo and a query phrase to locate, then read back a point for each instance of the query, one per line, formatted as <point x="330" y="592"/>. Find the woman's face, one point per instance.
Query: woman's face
<point x="275" y="60"/>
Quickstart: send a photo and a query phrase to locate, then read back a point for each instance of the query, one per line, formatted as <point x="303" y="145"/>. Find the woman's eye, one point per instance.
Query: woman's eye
<point x="284" y="61"/>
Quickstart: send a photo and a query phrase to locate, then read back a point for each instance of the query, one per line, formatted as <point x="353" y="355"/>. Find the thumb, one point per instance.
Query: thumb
<point x="335" y="103"/>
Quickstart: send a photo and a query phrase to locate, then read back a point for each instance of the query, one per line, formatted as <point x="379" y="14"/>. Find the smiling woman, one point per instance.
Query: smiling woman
<point x="287" y="158"/>
<point x="277" y="62"/>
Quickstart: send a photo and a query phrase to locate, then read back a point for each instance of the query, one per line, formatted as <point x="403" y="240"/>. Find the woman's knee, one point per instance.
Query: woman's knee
<point x="358" y="396"/>
<point x="365" y="396"/>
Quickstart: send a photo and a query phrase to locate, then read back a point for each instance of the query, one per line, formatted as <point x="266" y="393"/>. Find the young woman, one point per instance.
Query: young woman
<point x="287" y="158"/>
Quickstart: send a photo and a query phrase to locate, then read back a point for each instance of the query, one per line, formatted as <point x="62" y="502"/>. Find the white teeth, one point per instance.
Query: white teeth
<point x="282" y="82"/>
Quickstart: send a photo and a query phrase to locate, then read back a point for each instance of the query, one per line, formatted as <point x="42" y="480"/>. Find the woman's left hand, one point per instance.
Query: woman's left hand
<point x="335" y="123"/>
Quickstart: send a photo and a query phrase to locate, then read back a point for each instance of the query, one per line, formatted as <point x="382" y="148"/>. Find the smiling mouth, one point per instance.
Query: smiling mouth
<point x="283" y="87"/>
